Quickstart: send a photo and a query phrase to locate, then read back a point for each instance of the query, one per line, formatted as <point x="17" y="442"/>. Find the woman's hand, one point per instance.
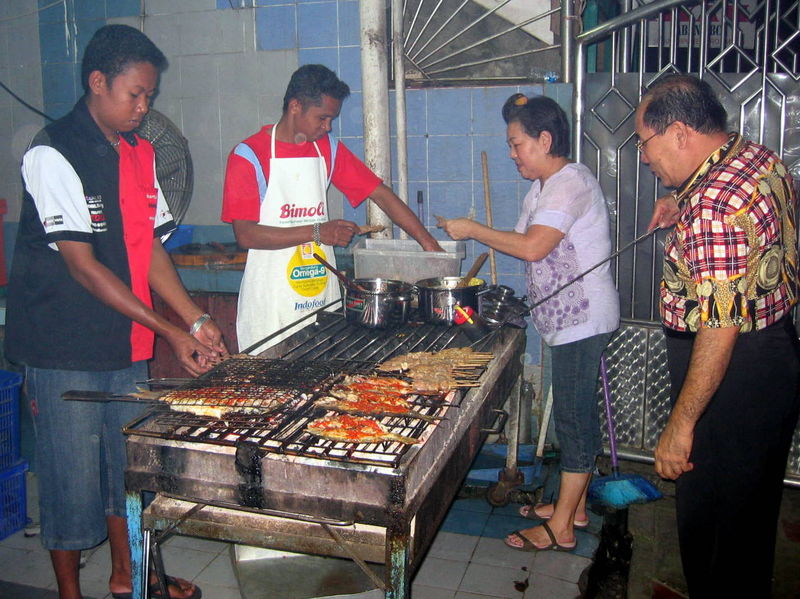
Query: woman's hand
<point x="458" y="228"/>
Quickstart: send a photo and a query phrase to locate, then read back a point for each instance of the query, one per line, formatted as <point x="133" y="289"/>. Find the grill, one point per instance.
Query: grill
<point x="266" y="481"/>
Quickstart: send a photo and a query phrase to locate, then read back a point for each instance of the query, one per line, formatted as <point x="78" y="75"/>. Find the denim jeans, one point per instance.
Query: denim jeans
<point x="80" y="452"/>
<point x="575" y="406"/>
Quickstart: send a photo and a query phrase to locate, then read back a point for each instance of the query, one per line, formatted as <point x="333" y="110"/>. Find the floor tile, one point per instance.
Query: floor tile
<point x="448" y="545"/>
<point x="419" y="591"/>
<point x="494" y="552"/>
<point x="472" y="504"/>
<point x="546" y="587"/>
<point x="499" y="526"/>
<point x="493" y="581"/>
<point x="213" y="591"/>
<point x="441" y="573"/>
<point x="465" y="522"/>
<point x="219" y="572"/>
<point x="564" y="566"/>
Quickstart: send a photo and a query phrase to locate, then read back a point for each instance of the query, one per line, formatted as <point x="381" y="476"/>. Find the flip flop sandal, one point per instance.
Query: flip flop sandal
<point x="531" y="514"/>
<point x="528" y="545"/>
<point x="154" y="591"/>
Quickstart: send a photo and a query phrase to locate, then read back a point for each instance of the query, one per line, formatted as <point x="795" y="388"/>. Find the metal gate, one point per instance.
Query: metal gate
<point x="748" y="52"/>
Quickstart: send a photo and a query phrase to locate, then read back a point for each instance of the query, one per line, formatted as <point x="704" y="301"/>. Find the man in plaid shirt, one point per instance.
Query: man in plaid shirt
<point x="728" y="288"/>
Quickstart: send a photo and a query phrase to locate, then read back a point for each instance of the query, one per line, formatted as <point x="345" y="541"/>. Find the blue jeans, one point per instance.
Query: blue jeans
<point x="575" y="409"/>
<point x="80" y="452"/>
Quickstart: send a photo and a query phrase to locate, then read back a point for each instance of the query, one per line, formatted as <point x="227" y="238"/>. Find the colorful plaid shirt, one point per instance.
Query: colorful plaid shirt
<point x="731" y="259"/>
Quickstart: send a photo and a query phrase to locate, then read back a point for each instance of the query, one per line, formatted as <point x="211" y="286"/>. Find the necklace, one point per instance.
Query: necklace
<point x="115" y="143"/>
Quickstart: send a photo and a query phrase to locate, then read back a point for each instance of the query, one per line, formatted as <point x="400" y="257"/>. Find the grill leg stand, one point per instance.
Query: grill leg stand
<point x="510" y="477"/>
<point x="397" y="573"/>
<point x="139" y="541"/>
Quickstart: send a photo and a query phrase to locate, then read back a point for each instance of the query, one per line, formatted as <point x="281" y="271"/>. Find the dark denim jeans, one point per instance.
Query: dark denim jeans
<point x="80" y="452"/>
<point x="575" y="410"/>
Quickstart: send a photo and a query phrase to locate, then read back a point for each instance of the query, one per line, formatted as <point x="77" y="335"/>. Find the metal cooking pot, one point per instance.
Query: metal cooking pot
<point x="439" y="296"/>
<point x="383" y="303"/>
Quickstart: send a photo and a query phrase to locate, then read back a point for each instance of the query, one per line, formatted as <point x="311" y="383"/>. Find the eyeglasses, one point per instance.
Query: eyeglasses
<point x="641" y="144"/>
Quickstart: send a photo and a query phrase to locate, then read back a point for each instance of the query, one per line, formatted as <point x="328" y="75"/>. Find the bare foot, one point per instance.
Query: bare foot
<point x="544" y="511"/>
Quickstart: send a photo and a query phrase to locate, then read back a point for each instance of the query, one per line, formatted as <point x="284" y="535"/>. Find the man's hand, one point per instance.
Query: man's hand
<point x="211" y="336"/>
<point x="337" y="232"/>
<point x="673" y="450"/>
<point x="194" y="356"/>
<point x="665" y="213"/>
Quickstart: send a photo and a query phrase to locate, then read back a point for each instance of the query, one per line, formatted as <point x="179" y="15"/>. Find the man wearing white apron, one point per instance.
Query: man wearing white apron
<point x="279" y="213"/>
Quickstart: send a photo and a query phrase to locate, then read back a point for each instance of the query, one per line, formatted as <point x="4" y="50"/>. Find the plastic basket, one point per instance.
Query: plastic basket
<point x="10" y="383"/>
<point x="13" y="506"/>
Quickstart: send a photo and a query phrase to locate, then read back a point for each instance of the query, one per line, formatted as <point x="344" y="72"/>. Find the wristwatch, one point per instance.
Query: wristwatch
<point x="317" y="240"/>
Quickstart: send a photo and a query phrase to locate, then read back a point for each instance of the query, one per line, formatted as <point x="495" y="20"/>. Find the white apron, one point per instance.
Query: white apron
<point x="280" y="286"/>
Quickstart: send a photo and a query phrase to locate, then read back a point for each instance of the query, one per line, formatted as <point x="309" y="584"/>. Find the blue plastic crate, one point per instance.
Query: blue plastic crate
<point x="10" y="383"/>
<point x="13" y="505"/>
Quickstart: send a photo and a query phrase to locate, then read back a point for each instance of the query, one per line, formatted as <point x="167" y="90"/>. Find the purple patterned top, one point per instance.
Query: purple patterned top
<point x="572" y="202"/>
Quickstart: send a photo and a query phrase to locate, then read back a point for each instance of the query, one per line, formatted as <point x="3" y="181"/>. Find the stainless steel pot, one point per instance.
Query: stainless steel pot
<point x="439" y="296"/>
<point x="383" y="303"/>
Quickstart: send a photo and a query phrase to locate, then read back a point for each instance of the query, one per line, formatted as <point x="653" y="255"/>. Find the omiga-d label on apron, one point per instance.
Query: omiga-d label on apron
<point x="306" y="276"/>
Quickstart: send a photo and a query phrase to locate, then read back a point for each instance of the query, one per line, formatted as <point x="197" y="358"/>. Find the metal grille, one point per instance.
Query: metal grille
<point x="311" y="362"/>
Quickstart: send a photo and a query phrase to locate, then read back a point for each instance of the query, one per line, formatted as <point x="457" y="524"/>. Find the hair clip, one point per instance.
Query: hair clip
<point x="521" y="101"/>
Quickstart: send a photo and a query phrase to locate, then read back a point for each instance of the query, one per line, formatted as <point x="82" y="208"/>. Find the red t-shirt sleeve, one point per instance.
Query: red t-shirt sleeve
<point x="240" y="198"/>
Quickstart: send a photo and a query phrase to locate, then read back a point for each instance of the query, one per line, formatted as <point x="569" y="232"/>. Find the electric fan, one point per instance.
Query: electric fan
<point x="173" y="161"/>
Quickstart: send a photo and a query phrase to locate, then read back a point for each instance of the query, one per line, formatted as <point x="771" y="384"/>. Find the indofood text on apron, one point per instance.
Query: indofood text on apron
<point x="280" y="286"/>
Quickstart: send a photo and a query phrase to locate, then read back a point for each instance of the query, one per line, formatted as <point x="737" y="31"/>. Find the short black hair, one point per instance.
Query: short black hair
<point x="686" y="99"/>
<point x="310" y="82"/>
<point x="115" y="47"/>
<point x="537" y="114"/>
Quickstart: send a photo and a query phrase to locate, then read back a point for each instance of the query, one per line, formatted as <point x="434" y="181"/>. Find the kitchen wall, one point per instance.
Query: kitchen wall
<point x="230" y="61"/>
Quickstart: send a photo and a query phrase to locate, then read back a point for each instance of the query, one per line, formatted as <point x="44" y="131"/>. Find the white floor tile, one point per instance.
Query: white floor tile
<point x="494" y="552"/>
<point x="441" y="573"/>
<point x="219" y="572"/>
<point x="26" y="567"/>
<point x="546" y="587"/>
<point x="494" y="581"/>
<point x="448" y="545"/>
<point x="565" y="566"/>
<point x="213" y="591"/>
<point x="419" y="591"/>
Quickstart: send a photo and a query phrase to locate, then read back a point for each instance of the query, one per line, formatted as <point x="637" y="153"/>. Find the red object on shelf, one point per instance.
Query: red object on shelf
<point x="3" y="210"/>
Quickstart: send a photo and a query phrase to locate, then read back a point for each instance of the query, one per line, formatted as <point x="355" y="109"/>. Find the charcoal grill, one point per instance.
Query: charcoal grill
<point x="267" y="482"/>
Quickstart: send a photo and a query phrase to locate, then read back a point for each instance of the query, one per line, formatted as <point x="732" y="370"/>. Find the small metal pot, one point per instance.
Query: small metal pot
<point x="439" y="296"/>
<point x="383" y="303"/>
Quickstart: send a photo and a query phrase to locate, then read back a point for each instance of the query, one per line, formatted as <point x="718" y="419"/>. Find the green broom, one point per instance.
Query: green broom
<point x="618" y="490"/>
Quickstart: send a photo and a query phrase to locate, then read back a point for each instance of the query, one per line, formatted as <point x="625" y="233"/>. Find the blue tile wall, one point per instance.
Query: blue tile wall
<point x="349" y="23"/>
<point x="122" y="8"/>
<point x="351" y="119"/>
<point x="486" y="106"/>
<point x="327" y="56"/>
<point x="60" y="84"/>
<point x="276" y="27"/>
<point x="416" y="122"/>
<point x="449" y="158"/>
<point x="349" y="67"/>
<point x="53" y="44"/>
<point x="449" y="111"/>
<point x="90" y="10"/>
<point x="316" y="25"/>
